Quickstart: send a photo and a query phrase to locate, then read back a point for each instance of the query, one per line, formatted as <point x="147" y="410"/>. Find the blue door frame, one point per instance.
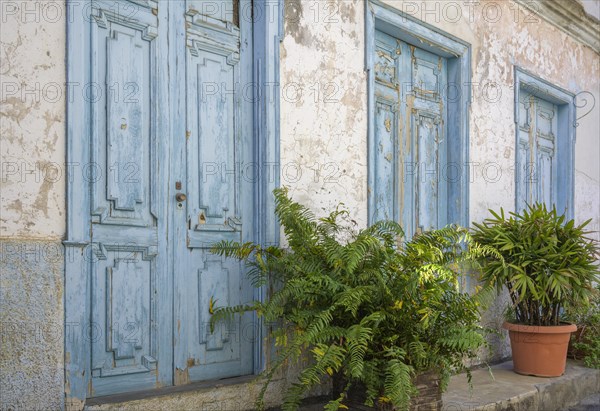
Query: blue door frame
<point x="383" y="18"/>
<point x="81" y="250"/>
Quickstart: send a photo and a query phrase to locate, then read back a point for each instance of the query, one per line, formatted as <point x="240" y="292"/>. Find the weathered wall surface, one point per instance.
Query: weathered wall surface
<point x="323" y="50"/>
<point x="31" y="325"/>
<point x="32" y="66"/>
<point x="32" y="204"/>
<point x="324" y="106"/>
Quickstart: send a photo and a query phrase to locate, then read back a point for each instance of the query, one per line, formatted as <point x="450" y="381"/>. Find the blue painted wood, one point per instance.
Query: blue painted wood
<point x="129" y="278"/>
<point x="132" y="252"/>
<point x="410" y="150"/>
<point x="386" y="156"/>
<point x="545" y="139"/>
<point x="435" y="119"/>
<point x="213" y="151"/>
<point x="77" y="352"/>
<point x="267" y="35"/>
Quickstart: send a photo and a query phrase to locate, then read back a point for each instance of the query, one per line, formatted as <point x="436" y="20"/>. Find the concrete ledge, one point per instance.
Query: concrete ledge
<point x="507" y="390"/>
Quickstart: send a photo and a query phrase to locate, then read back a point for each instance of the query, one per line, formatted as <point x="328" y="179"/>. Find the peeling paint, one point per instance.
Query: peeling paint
<point x="32" y="109"/>
<point x="182" y="376"/>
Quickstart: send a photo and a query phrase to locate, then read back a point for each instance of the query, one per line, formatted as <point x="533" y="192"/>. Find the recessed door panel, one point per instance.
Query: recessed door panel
<point x="128" y="272"/>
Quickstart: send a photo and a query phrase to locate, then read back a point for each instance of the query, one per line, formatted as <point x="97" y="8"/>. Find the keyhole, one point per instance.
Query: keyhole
<point x="180" y="205"/>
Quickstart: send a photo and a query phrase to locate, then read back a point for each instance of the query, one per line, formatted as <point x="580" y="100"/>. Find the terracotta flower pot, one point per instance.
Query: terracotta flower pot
<point x="539" y="350"/>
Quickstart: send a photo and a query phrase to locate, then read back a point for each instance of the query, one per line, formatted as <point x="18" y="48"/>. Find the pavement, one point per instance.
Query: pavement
<point x="504" y="389"/>
<point x="578" y="389"/>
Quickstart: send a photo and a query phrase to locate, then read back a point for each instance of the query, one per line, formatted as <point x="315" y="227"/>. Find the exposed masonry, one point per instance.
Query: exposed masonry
<point x="31" y="324"/>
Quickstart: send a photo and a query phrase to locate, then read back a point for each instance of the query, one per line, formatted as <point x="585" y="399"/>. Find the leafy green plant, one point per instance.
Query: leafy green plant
<point x="365" y="307"/>
<point x="586" y="341"/>
<point x="547" y="263"/>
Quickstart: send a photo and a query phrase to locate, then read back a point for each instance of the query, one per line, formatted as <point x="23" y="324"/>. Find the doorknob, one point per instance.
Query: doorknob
<point x="180" y="197"/>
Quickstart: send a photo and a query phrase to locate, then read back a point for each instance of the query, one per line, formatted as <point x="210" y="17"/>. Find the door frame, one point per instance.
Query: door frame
<point x="387" y="19"/>
<point x="267" y="34"/>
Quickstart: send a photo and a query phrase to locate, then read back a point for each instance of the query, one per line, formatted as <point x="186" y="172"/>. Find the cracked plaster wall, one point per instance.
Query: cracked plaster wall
<point x="32" y="118"/>
<point x="324" y="127"/>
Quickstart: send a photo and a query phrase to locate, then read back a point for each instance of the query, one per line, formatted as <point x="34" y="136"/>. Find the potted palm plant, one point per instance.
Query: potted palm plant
<point x="548" y="264"/>
<point x="373" y="314"/>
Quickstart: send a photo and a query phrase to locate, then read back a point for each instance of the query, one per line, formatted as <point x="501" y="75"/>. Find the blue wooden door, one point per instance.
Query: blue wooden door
<point x="410" y="148"/>
<point x="536" y="160"/>
<point x="128" y="174"/>
<point x="211" y="153"/>
<point x="170" y="136"/>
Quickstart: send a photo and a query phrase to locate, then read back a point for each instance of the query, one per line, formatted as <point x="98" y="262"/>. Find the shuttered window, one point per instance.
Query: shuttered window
<point x="545" y="136"/>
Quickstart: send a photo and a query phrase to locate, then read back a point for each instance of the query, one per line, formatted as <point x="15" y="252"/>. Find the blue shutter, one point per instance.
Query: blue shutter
<point x="536" y="154"/>
<point x="410" y="150"/>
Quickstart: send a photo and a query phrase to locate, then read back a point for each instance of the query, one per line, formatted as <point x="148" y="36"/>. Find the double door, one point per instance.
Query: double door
<point x="171" y="133"/>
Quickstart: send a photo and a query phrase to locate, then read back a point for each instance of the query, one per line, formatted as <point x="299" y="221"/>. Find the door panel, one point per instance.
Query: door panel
<point x="385" y="150"/>
<point x="169" y="120"/>
<point x="217" y="145"/>
<point x="128" y="267"/>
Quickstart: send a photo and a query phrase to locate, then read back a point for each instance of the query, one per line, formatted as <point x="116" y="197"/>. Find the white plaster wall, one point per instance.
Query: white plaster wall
<point x="32" y="118"/>
<point x="323" y="105"/>
<point x="324" y="42"/>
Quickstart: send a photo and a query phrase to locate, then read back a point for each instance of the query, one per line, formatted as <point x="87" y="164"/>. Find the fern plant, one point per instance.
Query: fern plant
<point x="367" y="309"/>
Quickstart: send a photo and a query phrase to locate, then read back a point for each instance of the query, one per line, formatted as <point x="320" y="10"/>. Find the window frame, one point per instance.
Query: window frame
<point x="385" y="18"/>
<point x="564" y="158"/>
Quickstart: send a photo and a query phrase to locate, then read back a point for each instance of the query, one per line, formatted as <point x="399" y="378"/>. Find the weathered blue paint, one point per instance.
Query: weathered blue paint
<point x="418" y="118"/>
<point x="138" y="271"/>
<point x="268" y="33"/>
<point x="212" y="149"/>
<point x="77" y="307"/>
<point x="410" y="146"/>
<point x="545" y="138"/>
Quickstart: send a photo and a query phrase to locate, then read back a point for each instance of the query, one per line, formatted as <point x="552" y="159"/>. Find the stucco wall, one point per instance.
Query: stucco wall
<point x="32" y="203"/>
<point x="31" y="325"/>
<point x="32" y="66"/>
<point x="323" y="50"/>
